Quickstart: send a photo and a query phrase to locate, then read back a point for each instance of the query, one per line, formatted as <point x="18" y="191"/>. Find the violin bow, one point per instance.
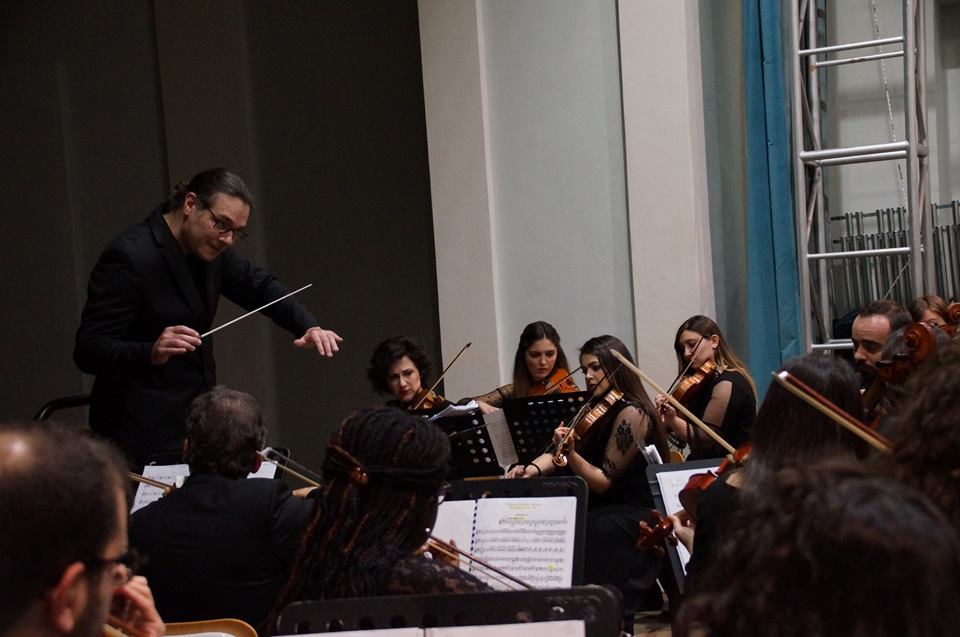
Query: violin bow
<point x="676" y="404"/>
<point x="451" y="550"/>
<point x="442" y="374"/>
<point x="822" y="404"/>
<point x="578" y="416"/>
<point x="265" y="455"/>
<point x="166" y="488"/>
<point x="673" y="384"/>
<point x="550" y="388"/>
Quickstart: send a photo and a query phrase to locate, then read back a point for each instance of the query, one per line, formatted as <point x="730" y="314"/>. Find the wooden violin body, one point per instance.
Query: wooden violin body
<point x="426" y="399"/>
<point x="580" y="429"/>
<point x="559" y="382"/>
<point x="692" y="385"/>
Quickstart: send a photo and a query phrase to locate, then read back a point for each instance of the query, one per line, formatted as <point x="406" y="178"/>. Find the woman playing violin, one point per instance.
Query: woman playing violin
<point x="787" y="432"/>
<point x="539" y="366"/>
<point x="608" y="458"/>
<point x="401" y="367"/>
<point x="727" y="401"/>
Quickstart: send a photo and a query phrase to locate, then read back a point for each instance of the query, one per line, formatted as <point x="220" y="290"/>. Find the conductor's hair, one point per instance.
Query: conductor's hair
<point x="382" y="475"/>
<point x="58" y="506"/>
<point x="209" y="183"/>
<point x="224" y="433"/>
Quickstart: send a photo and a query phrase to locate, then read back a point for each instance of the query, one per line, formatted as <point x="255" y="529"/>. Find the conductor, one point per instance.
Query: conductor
<point x="152" y="293"/>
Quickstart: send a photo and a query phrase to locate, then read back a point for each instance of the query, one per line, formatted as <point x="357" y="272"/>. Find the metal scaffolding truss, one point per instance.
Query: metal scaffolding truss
<point x="810" y="158"/>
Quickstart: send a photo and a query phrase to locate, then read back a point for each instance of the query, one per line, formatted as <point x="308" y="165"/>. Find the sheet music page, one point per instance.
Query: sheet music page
<point x="499" y="432"/>
<point x="455" y="522"/>
<point x="267" y="470"/>
<point x="166" y="473"/>
<point x="530" y="538"/>
<point x="566" y="628"/>
<point x="455" y="410"/>
<point x="671" y="483"/>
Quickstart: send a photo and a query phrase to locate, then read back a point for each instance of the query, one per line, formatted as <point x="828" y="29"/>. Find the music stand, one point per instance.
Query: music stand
<point x="597" y="606"/>
<point x="471" y="452"/>
<point x="532" y="419"/>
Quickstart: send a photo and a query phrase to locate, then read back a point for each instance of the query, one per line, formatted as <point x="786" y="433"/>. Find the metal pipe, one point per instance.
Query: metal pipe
<point x="859" y="159"/>
<point x="851" y="45"/>
<point x="855" y="60"/>
<point x="852" y="254"/>
<point x="851" y="151"/>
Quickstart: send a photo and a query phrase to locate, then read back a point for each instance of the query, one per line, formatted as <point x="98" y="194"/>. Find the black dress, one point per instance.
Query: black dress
<point x="715" y="509"/>
<point x="613" y="517"/>
<point x="727" y="404"/>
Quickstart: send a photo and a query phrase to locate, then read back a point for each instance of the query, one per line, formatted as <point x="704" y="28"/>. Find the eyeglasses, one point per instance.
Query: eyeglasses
<point x="130" y="560"/>
<point x="223" y="227"/>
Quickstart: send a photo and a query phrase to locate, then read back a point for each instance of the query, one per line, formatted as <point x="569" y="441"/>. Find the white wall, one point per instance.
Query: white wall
<point x="534" y="167"/>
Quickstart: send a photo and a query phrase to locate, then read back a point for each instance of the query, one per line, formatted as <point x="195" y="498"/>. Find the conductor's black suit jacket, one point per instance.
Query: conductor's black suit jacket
<point x="219" y="547"/>
<point x="141" y="284"/>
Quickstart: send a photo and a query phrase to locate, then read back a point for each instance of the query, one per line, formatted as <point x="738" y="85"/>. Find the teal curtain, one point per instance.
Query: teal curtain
<point x="773" y="299"/>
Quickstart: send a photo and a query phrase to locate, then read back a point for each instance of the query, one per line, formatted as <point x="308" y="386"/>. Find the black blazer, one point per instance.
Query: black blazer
<point x="141" y="284"/>
<point x="219" y="547"/>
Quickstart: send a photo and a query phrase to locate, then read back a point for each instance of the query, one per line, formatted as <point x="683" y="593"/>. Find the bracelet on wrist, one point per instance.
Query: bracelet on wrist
<point x="534" y="465"/>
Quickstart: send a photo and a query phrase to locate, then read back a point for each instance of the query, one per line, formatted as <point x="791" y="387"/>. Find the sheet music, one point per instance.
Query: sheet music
<point x="671" y="483"/>
<point x="455" y="410"/>
<point x="499" y="432"/>
<point x="374" y="632"/>
<point x="566" y="628"/>
<point x="455" y="522"/>
<point x="167" y="473"/>
<point x="175" y="474"/>
<point x="530" y="538"/>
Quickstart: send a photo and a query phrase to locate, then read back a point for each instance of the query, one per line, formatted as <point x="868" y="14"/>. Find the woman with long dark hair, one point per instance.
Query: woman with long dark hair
<point x="610" y="460"/>
<point x="538" y="359"/>
<point x="727" y="401"/>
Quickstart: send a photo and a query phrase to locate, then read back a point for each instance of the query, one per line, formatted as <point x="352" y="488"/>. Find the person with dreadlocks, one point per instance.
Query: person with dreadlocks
<point x="383" y="473"/>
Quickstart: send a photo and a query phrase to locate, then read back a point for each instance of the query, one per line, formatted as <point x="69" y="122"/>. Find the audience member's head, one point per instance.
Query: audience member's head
<point x="224" y="433"/>
<point x="926" y="434"/>
<point x="789" y="432"/>
<point x="382" y="474"/>
<point x="63" y="530"/>
<point x="872" y="327"/>
<point x="830" y="550"/>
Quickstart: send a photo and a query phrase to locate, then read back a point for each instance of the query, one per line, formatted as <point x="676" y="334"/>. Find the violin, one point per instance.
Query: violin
<point x="582" y="427"/>
<point x="650" y="536"/>
<point x="919" y="341"/>
<point x="426" y="399"/>
<point x="691" y="385"/>
<point x="559" y="382"/>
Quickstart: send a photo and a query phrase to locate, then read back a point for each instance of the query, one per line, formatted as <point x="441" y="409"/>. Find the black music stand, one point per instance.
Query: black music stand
<point x="471" y="453"/>
<point x="598" y="607"/>
<point x="532" y="420"/>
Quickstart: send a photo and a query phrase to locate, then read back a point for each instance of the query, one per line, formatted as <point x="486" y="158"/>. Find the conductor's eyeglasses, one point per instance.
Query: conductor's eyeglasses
<point x="130" y="561"/>
<point x="222" y="226"/>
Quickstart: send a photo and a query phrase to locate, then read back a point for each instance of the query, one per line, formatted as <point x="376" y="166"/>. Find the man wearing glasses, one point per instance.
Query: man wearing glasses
<point x="151" y="295"/>
<point x="65" y="568"/>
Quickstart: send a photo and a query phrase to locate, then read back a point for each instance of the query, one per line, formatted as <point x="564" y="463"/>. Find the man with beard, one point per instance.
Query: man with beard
<point x="875" y="323"/>
<point x="63" y="540"/>
<point x="153" y="292"/>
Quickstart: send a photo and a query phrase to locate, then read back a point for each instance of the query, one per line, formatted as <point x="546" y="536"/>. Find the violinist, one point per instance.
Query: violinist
<point x="539" y="366"/>
<point x="608" y="458"/>
<point x="873" y="325"/>
<point x="65" y="566"/>
<point x="727" y="399"/>
<point x="221" y="545"/>
<point x="930" y="309"/>
<point x="787" y="432"/>
<point x="401" y="367"/>
<point x="383" y="472"/>
<point x="926" y="432"/>
<point x="830" y="550"/>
